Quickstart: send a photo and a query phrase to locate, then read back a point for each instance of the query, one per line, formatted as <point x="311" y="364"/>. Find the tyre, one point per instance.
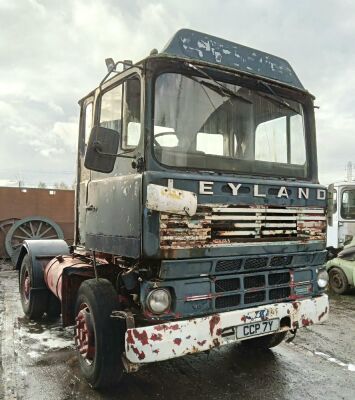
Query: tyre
<point x="265" y="342"/>
<point x="338" y="281"/>
<point x="98" y="338"/>
<point x="33" y="302"/>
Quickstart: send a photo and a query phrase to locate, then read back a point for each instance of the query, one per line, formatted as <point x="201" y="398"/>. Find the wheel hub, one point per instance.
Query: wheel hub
<point x="84" y="334"/>
<point x="337" y="281"/>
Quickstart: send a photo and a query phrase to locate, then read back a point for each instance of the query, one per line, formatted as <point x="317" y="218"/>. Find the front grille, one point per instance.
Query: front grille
<point x="279" y="278"/>
<point x="279" y="293"/>
<point x="254" y="297"/>
<point x="279" y="261"/>
<point x="254" y="281"/>
<point x="255" y="263"/>
<point x="215" y="225"/>
<point x="228" y="265"/>
<point x="228" y="301"/>
<point x="227" y="285"/>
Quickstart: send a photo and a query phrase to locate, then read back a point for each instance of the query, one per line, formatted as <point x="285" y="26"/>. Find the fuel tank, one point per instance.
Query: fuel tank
<point x="53" y="272"/>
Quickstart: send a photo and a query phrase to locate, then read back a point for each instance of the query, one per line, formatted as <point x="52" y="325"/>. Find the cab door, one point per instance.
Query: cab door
<point x="83" y="176"/>
<point x="113" y="209"/>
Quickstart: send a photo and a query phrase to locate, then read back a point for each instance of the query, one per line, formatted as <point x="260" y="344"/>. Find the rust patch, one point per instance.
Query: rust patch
<point x="156" y="351"/>
<point x="156" y="337"/>
<point x="219" y="332"/>
<point x="188" y="337"/>
<point x="216" y="342"/>
<point x="142" y="337"/>
<point x="164" y="328"/>
<point x="130" y="338"/>
<point x="295" y="305"/>
<point x="140" y="354"/>
<point x="213" y="322"/>
<point x="295" y="325"/>
<point x="177" y="341"/>
<point x="243" y="318"/>
<point x="306" y="322"/>
<point x="202" y="342"/>
<point x="323" y="314"/>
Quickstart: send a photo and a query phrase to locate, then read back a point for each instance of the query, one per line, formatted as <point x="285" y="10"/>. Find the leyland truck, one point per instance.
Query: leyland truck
<point x="200" y="221"/>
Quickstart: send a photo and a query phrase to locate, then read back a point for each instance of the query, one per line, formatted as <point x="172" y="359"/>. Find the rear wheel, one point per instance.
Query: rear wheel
<point x="99" y="339"/>
<point x="33" y="301"/>
<point x="265" y="342"/>
<point x="338" y="281"/>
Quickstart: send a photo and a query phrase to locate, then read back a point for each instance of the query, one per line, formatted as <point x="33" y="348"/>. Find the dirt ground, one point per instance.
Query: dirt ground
<point x="37" y="361"/>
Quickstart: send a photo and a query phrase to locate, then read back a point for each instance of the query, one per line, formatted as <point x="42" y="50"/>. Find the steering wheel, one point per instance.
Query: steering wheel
<point x="160" y="134"/>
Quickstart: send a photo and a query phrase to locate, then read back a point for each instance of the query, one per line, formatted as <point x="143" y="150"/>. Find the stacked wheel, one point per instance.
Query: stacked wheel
<point x="31" y="228"/>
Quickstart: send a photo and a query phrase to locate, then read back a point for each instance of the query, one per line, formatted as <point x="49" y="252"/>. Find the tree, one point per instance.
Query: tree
<point x="61" y="185"/>
<point x="42" y="185"/>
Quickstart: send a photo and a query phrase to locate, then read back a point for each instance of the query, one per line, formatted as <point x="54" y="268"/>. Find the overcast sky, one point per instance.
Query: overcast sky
<point x="52" y="54"/>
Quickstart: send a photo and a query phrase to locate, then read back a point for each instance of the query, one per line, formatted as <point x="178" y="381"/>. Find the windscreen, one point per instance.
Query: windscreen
<point x="204" y="124"/>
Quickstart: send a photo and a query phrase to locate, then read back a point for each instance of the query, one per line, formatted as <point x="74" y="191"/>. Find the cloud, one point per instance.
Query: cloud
<point x="54" y="54"/>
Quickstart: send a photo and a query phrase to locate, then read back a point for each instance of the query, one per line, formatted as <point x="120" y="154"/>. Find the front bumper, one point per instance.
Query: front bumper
<point x="174" y="339"/>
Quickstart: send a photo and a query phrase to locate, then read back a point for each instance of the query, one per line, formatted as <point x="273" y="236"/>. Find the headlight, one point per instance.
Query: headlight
<point x="158" y="300"/>
<point x="323" y="278"/>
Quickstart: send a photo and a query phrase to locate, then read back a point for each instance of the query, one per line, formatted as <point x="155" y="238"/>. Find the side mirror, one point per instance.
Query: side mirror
<point x="102" y="149"/>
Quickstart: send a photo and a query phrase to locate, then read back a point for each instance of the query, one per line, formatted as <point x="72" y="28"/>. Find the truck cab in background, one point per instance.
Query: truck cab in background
<point x="341" y="214"/>
<point x="341" y="235"/>
<point x="200" y="220"/>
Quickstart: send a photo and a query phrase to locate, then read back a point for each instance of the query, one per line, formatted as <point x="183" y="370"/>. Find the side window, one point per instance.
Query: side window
<point x="88" y="122"/>
<point x="131" y="113"/>
<point x="111" y="109"/>
<point x="347" y="210"/>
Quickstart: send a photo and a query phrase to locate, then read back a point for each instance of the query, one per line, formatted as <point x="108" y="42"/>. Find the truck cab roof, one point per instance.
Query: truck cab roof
<point x="208" y="50"/>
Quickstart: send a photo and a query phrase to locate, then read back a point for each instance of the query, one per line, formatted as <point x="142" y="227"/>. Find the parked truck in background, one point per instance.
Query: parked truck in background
<point x="200" y="220"/>
<point x="341" y="234"/>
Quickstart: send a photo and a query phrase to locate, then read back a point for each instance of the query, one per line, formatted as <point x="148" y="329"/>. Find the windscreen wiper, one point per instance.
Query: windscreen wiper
<point x="277" y="99"/>
<point x="216" y="86"/>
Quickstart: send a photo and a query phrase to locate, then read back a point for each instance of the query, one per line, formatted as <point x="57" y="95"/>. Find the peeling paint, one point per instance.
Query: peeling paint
<point x="213" y="322"/>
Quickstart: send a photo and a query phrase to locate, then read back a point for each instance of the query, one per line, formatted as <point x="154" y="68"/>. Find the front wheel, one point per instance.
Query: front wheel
<point x="99" y="339"/>
<point x="338" y="281"/>
<point x="265" y="342"/>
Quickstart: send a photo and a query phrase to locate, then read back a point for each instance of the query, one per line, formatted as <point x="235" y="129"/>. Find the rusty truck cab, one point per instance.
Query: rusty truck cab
<point x="198" y="199"/>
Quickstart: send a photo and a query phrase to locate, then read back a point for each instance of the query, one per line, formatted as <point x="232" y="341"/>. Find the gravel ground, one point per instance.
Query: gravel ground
<point x="37" y="361"/>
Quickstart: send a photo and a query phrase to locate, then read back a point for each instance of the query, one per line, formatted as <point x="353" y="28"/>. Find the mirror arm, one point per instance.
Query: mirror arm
<point x="102" y="153"/>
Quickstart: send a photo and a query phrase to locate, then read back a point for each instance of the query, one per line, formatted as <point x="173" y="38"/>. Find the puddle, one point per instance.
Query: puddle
<point x="38" y="339"/>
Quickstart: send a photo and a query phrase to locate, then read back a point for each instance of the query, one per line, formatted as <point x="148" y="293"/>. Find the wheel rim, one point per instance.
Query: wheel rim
<point x="31" y="228"/>
<point x="26" y="287"/>
<point x="84" y="334"/>
<point x="336" y="280"/>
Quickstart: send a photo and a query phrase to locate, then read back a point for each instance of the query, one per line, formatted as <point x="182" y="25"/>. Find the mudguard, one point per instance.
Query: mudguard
<point x="41" y="252"/>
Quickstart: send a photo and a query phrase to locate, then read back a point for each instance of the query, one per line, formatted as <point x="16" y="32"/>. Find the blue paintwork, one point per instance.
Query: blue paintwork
<point x="195" y="45"/>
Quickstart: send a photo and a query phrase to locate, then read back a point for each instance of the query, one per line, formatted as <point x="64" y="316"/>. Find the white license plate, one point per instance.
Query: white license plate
<point x="257" y="328"/>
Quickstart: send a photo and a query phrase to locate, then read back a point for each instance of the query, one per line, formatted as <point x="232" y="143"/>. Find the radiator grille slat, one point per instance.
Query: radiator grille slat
<point x="218" y="225"/>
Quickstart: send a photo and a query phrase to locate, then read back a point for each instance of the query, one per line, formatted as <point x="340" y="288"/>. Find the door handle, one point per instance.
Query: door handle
<point x="91" y="207"/>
